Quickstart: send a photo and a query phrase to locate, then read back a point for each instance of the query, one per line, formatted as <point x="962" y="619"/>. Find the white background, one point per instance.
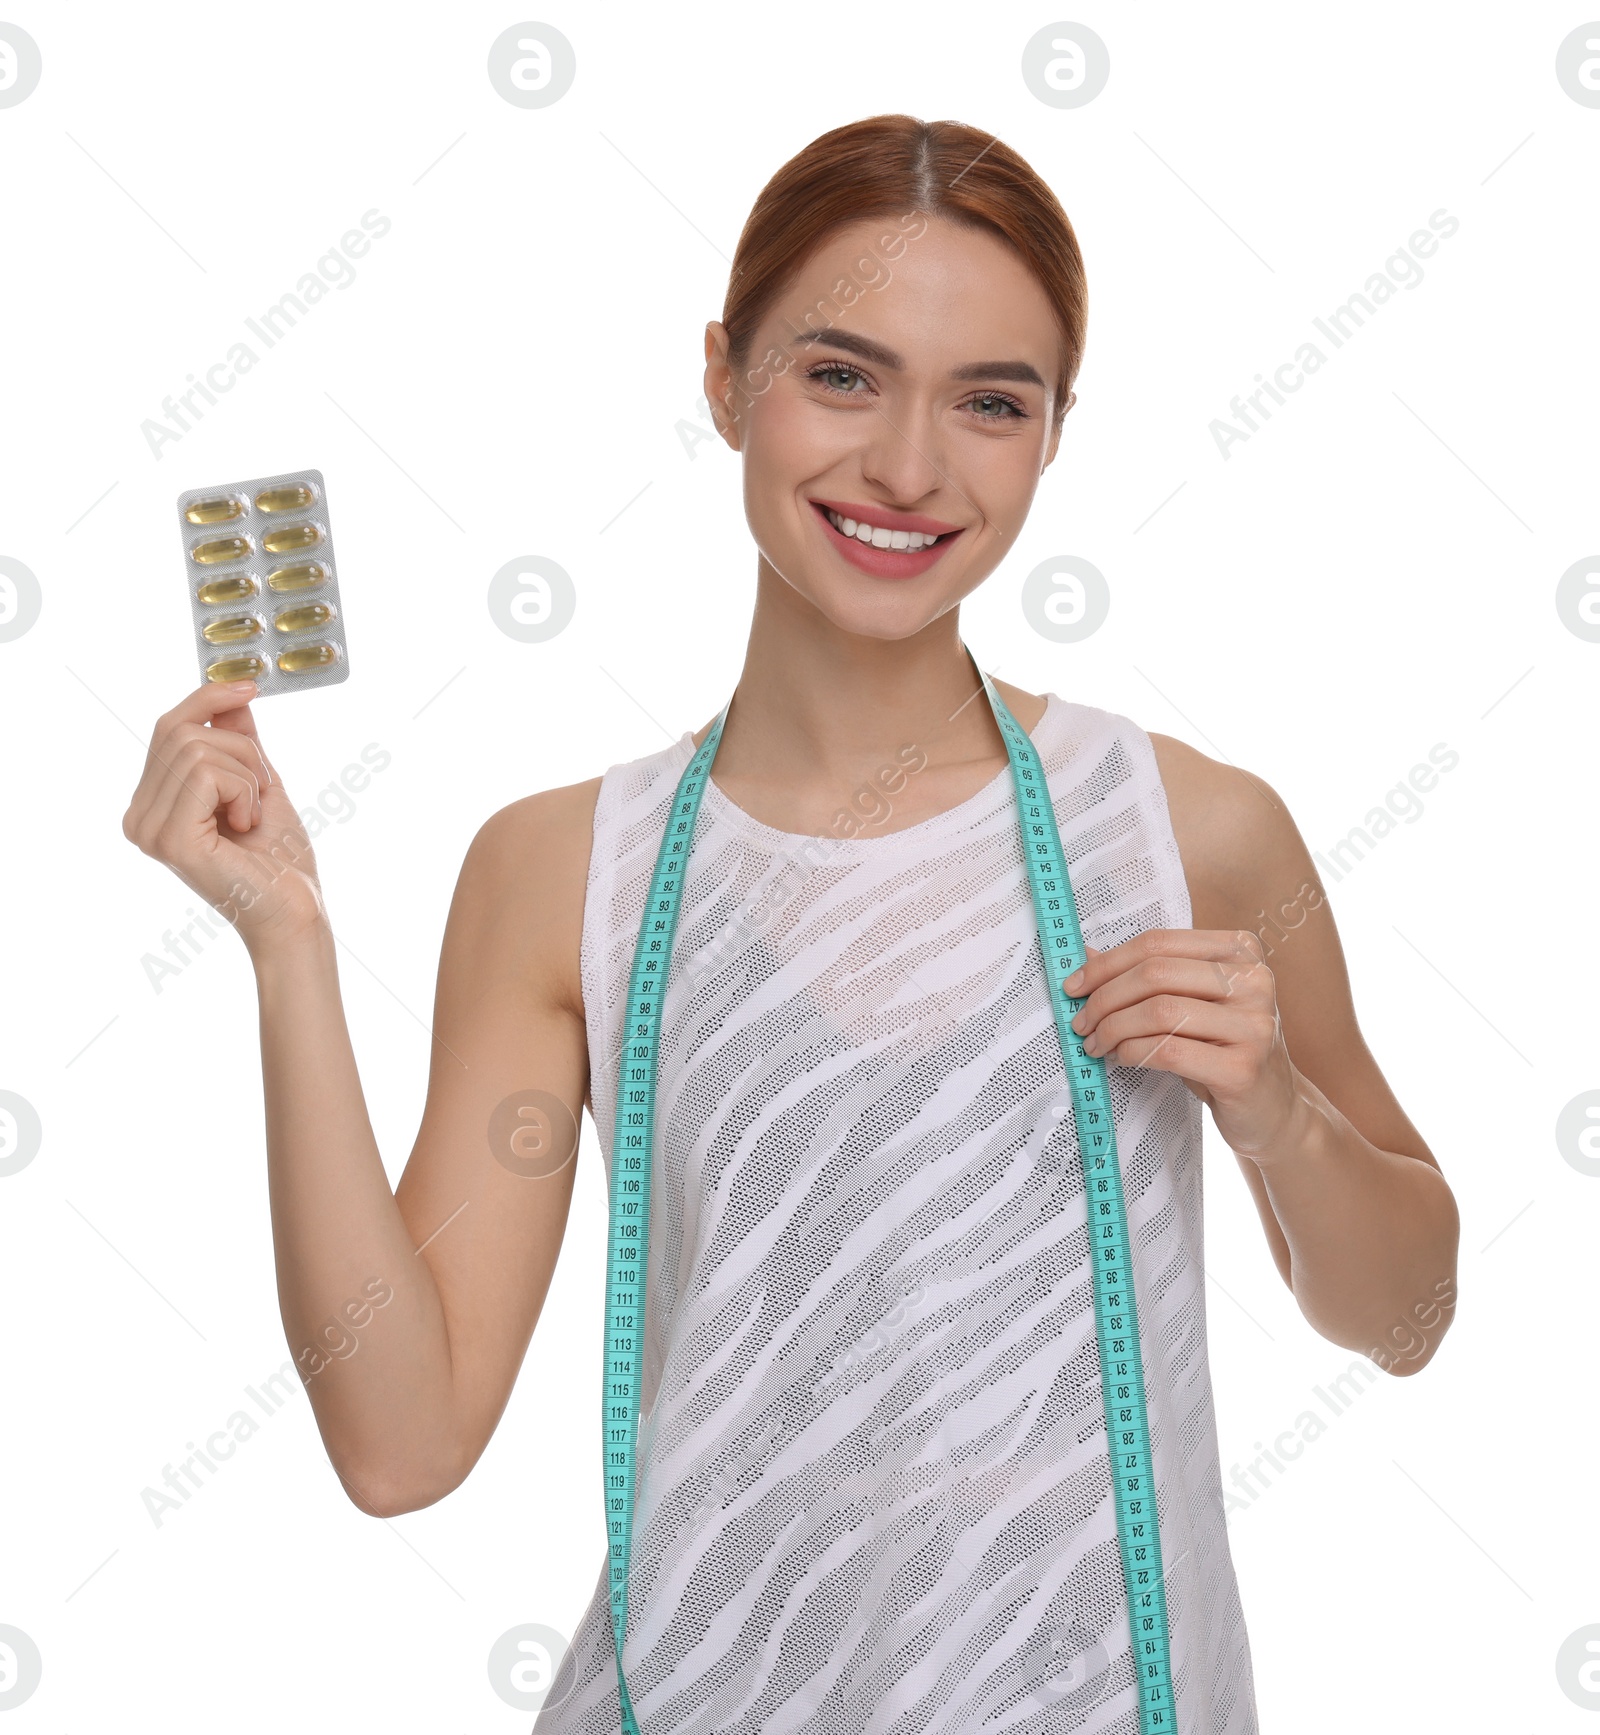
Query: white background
<point x="1372" y="573"/>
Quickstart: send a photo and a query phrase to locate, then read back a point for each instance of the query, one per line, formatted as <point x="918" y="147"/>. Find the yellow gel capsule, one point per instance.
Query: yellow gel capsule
<point x="245" y="668"/>
<point x="217" y="511"/>
<point x="235" y="589"/>
<point x="229" y="629"/>
<point x="300" y="620"/>
<point x="305" y="576"/>
<point x="291" y="499"/>
<point x="220" y="549"/>
<point x="291" y="537"/>
<point x="303" y="657"/>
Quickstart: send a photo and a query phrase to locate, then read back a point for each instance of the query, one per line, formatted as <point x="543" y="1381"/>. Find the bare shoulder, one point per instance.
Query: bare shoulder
<point x="1238" y="841"/>
<point x="524" y="879"/>
<point x="1248" y="867"/>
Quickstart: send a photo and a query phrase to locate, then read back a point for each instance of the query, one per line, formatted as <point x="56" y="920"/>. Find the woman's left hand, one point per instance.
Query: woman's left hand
<point x="1214" y="986"/>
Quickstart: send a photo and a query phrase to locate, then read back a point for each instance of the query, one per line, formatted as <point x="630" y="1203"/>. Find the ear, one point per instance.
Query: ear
<point x="719" y="383"/>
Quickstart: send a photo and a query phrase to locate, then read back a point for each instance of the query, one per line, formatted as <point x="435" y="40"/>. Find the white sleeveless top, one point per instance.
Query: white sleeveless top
<point x="874" y="1492"/>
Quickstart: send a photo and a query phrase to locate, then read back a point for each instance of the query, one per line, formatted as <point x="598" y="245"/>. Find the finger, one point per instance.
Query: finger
<point x="212" y="785"/>
<point x="1208" y="1064"/>
<point x="222" y="789"/>
<point x="242" y="722"/>
<point x="169" y="771"/>
<point x="207" y="702"/>
<point x="1195" y="978"/>
<point x="1167" y="1015"/>
<point x="1072" y="983"/>
<point x="244" y="746"/>
<point x="200" y="706"/>
<point x="244" y="810"/>
<point x="201" y="777"/>
<point x="244" y="753"/>
<point x="1209" y="943"/>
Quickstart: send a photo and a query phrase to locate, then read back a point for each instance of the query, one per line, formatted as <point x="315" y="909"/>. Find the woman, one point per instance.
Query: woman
<point x="874" y="1477"/>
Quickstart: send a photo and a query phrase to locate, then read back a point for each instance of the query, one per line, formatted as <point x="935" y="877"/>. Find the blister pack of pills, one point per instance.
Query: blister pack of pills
<point x="263" y="587"/>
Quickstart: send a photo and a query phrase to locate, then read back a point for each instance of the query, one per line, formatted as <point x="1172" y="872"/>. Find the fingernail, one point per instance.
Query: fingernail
<point x="244" y="686"/>
<point x="1073" y="981"/>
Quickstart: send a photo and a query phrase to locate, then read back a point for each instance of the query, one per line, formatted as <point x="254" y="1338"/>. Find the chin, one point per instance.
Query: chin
<point x="872" y="609"/>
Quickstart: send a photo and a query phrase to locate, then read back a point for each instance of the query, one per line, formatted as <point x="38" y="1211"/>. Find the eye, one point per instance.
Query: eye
<point x="837" y="378"/>
<point x="999" y="408"/>
<point x="829" y="371"/>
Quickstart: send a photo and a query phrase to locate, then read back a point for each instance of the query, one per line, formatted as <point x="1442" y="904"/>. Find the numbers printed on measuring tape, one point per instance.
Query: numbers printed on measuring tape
<point x="1116" y="1315"/>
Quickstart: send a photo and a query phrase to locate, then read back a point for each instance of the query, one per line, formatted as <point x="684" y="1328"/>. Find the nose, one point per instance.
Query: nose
<point x="901" y="454"/>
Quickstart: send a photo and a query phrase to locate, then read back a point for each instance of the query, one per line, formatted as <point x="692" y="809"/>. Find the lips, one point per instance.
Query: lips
<point x="885" y="562"/>
<point x="888" y="517"/>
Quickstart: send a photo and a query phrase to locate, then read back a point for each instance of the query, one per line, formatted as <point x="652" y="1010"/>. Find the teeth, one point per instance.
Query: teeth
<point x="878" y="536"/>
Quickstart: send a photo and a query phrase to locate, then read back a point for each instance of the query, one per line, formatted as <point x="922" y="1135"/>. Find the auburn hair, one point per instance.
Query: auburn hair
<point x="894" y="163"/>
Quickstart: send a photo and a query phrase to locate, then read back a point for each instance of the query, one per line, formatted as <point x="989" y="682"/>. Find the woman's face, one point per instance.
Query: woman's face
<point x="908" y="372"/>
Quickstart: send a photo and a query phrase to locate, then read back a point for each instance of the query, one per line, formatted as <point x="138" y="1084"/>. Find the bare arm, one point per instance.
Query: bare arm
<point x="1362" y="1224"/>
<point x="467" y="1244"/>
<point x="407" y="1311"/>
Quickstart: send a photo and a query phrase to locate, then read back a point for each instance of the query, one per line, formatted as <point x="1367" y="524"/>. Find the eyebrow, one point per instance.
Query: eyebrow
<point x="1019" y="372"/>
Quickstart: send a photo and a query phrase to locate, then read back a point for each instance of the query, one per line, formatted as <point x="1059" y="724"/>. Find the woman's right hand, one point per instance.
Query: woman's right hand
<point x="212" y="808"/>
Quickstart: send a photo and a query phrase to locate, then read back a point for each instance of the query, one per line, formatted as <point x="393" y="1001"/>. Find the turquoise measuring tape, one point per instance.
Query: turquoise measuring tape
<point x="1116" y="1316"/>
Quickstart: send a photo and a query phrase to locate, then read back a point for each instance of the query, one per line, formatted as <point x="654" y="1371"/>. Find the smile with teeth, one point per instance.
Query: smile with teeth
<point x="877" y="535"/>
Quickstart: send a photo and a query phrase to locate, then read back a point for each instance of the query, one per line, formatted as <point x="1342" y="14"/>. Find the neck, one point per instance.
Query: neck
<point x="819" y="711"/>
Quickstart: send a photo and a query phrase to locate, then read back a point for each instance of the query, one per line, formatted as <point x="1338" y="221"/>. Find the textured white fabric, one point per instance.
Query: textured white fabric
<point x="874" y="1494"/>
